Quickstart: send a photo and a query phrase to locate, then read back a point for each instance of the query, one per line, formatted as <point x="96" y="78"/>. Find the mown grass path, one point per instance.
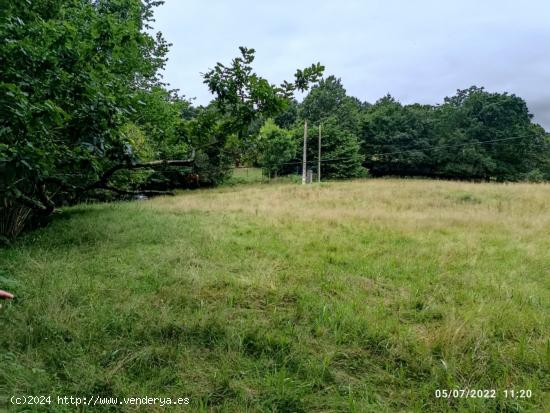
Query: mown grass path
<point x="362" y="296"/>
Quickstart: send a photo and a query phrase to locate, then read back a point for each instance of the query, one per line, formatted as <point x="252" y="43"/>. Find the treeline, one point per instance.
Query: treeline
<point x="85" y="115"/>
<point x="473" y="135"/>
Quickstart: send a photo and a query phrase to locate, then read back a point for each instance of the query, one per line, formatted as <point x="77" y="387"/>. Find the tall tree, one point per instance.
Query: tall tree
<point x="329" y="99"/>
<point x="71" y="76"/>
<point x="486" y="136"/>
<point x="242" y="96"/>
<point x="396" y="139"/>
<point x="328" y="104"/>
<point x="276" y="146"/>
<point x="243" y="100"/>
<point x="341" y="156"/>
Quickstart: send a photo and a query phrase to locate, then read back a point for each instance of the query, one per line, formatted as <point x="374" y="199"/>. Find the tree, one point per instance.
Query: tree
<point x="216" y="147"/>
<point x="276" y="147"/>
<point x="484" y="135"/>
<point x="396" y="139"/>
<point x="243" y="97"/>
<point x="329" y="99"/>
<point x="289" y="116"/>
<point x="72" y="74"/>
<point x="340" y="151"/>
<point x="327" y="104"/>
<point x="540" y="170"/>
<point x="472" y="135"/>
<point x="163" y="119"/>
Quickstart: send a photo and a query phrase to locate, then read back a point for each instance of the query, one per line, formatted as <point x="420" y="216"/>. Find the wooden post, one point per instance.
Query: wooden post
<point x="304" y="159"/>
<point x="319" y="158"/>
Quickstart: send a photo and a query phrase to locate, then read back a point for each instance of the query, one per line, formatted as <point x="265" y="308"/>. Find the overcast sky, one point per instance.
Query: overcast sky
<point x="418" y="51"/>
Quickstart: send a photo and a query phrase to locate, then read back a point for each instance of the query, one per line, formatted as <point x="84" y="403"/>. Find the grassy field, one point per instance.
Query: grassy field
<point x="362" y="296"/>
<point x="247" y="175"/>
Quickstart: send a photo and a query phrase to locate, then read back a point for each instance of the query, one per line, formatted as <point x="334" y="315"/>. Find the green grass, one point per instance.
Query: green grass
<point x="242" y="176"/>
<point x="246" y="176"/>
<point x="362" y="296"/>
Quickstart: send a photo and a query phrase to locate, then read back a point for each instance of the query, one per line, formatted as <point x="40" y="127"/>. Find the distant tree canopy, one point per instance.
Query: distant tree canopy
<point x="339" y="115"/>
<point x="472" y="135"/>
<point x="328" y="99"/>
<point x="397" y="139"/>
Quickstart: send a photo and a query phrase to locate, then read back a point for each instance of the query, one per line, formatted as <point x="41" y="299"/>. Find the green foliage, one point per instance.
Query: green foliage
<point x="243" y="98"/>
<point x="402" y="132"/>
<point x="161" y="117"/>
<point x="216" y="147"/>
<point x="289" y="116"/>
<point x="328" y="105"/>
<point x="137" y="138"/>
<point x="241" y="94"/>
<point x="276" y="146"/>
<point x="164" y="118"/>
<point x="536" y="175"/>
<point x="72" y="74"/>
<point x="474" y="116"/>
<point x="542" y="157"/>
<point x="473" y="135"/>
<point x="340" y="151"/>
<point x="329" y="99"/>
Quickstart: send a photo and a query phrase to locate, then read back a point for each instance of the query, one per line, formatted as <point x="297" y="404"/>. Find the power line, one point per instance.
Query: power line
<point x="448" y="146"/>
<point x="415" y="150"/>
<point x="374" y="154"/>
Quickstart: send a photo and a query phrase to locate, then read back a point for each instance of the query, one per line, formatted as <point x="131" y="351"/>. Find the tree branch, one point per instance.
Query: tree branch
<point x="44" y="205"/>
<point x="48" y="203"/>
<point x="102" y="183"/>
<point x="31" y="203"/>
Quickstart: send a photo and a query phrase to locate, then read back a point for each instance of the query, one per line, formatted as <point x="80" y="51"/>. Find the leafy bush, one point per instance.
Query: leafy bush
<point x="71" y="77"/>
<point x="276" y="147"/>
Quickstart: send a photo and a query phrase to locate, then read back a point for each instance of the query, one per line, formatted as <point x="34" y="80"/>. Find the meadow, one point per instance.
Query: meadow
<point x="357" y="296"/>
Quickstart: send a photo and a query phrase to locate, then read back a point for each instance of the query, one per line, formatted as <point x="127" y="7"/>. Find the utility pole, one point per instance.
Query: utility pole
<point x="304" y="159"/>
<point x="319" y="158"/>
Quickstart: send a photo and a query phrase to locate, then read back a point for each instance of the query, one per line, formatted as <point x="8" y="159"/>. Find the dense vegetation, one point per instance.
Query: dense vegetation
<point x="472" y="135"/>
<point x="72" y="77"/>
<point x="83" y="106"/>
<point x="361" y="296"/>
<point x="84" y="111"/>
